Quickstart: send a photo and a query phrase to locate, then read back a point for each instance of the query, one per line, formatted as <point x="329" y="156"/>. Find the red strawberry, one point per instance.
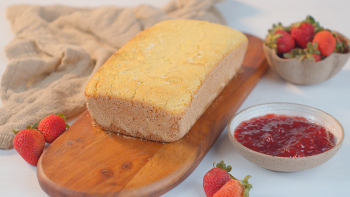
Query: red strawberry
<point x="326" y="42"/>
<point x="313" y="22"/>
<point x="215" y="178"/>
<point x="52" y="126"/>
<point x="284" y="43"/>
<point x="235" y="188"/>
<point x="302" y="33"/>
<point x="29" y="143"/>
<point x="317" y="57"/>
<point x="280" y="40"/>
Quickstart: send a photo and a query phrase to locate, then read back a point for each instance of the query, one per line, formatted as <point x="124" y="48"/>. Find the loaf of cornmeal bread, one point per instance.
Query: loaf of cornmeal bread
<point x="160" y="82"/>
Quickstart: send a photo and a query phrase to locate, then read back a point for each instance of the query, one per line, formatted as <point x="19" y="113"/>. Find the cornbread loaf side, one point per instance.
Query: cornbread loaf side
<point x="159" y="83"/>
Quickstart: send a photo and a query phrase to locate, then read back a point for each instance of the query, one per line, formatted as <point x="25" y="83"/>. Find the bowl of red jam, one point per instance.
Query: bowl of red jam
<point x="285" y="137"/>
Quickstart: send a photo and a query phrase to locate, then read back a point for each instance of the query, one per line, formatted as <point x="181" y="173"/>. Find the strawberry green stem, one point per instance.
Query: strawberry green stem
<point x="34" y="125"/>
<point x="247" y="186"/>
<point x="223" y="166"/>
<point x="61" y="115"/>
<point x="14" y="131"/>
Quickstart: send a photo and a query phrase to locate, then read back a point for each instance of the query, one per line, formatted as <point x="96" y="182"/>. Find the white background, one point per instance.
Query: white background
<point x="17" y="178"/>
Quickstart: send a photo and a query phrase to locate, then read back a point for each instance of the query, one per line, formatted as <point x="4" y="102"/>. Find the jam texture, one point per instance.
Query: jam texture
<point x="284" y="136"/>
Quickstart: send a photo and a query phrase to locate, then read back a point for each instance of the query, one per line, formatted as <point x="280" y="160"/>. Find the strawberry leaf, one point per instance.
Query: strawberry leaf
<point x="35" y="125"/>
<point x="247" y="186"/>
<point x="313" y="22"/>
<point x="309" y="45"/>
<point x="288" y="55"/>
<point x="271" y="39"/>
<point x="223" y="166"/>
<point x="14" y="131"/>
<point x="310" y="19"/>
<point x="61" y="115"/>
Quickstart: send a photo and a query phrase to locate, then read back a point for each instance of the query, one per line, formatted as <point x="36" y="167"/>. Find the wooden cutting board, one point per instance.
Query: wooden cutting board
<point x="87" y="161"/>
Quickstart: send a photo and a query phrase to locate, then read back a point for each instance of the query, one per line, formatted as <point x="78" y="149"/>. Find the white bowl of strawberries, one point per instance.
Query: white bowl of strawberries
<point x="304" y="52"/>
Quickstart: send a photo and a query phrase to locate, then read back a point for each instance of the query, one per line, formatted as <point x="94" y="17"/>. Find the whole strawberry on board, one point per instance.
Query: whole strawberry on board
<point x="52" y="126"/>
<point x="326" y="42"/>
<point x="29" y="143"/>
<point x="235" y="188"/>
<point x="215" y="178"/>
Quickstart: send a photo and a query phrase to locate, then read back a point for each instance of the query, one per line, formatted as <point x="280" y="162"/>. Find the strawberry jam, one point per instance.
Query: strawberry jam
<point x="284" y="136"/>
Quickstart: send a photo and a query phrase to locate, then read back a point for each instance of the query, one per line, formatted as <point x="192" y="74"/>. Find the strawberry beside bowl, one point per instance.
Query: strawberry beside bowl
<point x="307" y="72"/>
<point x="285" y="163"/>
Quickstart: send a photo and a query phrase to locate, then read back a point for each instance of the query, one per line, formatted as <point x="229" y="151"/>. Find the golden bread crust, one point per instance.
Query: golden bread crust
<point x="161" y="81"/>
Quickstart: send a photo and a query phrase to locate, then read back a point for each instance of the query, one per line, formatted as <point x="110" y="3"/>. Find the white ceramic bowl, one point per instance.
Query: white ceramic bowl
<point x="287" y="164"/>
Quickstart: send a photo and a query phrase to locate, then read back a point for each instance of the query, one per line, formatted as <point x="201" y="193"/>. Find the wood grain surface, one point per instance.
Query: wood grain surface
<point x="87" y="161"/>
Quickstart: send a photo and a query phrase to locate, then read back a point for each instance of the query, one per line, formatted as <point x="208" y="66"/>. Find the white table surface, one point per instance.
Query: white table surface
<point x="17" y="178"/>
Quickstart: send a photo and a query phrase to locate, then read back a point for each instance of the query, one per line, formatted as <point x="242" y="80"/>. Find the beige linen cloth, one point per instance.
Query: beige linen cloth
<point x="57" y="48"/>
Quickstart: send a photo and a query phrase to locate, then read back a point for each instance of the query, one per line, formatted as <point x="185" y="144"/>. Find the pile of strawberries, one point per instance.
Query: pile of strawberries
<point x="30" y="142"/>
<point x="217" y="182"/>
<point x="304" y="40"/>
